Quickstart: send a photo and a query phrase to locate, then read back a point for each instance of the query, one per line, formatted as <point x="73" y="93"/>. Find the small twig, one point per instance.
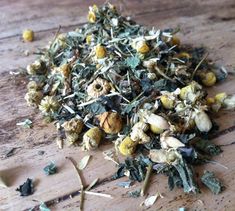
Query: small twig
<point x="199" y="64"/>
<point x="163" y="74"/>
<point x="146" y="180"/>
<point x="81" y="184"/>
<point x="98" y="194"/>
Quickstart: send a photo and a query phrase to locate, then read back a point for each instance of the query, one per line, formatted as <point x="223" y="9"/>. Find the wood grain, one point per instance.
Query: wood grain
<point x="209" y="23"/>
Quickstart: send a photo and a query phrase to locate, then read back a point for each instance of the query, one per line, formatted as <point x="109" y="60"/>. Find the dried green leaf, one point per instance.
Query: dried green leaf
<point x="132" y="62"/>
<point x="213" y="183"/>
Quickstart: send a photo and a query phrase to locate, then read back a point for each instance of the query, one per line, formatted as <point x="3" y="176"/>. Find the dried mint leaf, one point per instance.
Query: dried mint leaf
<point x="213" y="183"/>
<point x="207" y="147"/>
<point x="132" y="62"/>
<point x="27" y="188"/>
<point x="50" y="169"/>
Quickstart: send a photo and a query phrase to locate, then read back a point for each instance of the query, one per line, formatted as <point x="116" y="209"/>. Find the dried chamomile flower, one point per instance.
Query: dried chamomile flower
<point x="141" y="47"/>
<point x="150" y="64"/>
<point x="229" y="102"/>
<point x="100" y="51"/>
<point x="64" y="70"/>
<point x="73" y="125"/>
<point x="170" y="141"/>
<point x="71" y="137"/>
<point x="191" y="92"/>
<point x="157" y="123"/>
<point x="110" y="122"/>
<point x="138" y="133"/>
<point x="164" y="156"/>
<point x="220" y="97"/>
<point x="208" y="79"/>
<point x="28" y="35"/>
<point x="98" y="88"/>
<point x="36" y="68"/>
<point x="89" y="38"/>
<point x="202" y="121"/>
<point x="92" y="138"/>
<point x="33" y="85"/>
<point x="49" y="104"/>
<point x="92" y="14"/>
<point x="33" y="97"/>
<point x="127" y="146"/>
<point x="183" y="55"/>
<point x="167" y="101"/>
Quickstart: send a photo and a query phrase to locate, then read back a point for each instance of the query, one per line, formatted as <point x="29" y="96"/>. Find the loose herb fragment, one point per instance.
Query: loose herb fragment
<point x="214" y="184"/>
<point x="27" y="188"/>
<point x="43" y="207"/>
<point x="50" y="169"/>
<point x="83" y="162"/>
<point x="27" y="123"/>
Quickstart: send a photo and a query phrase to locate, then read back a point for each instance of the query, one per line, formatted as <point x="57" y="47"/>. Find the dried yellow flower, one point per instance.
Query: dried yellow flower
<point x="33" y="85"/>
<point x="33" y="97"/>
<point x="64" y="69"/>
<point x="37" y="67"/>
<point x="208" y="79"/>
<point x="110" y="122"/>
<point x="190" y="92"/>
<point x="92" y="138"/>
<point x="98" y="88"/>
<point x="167" y="102"/>
<point x="100" y="51"/>
<point x="73" y="125"/>
<point x="157" y="123"/>
<point x="220" y="97"/>
<point x="91" y="16"/>
<point x="71" y="137"/>
<point x="49" y="104"/>
<point x="28" y="35"/>
<point x="127" y="146"/>
<point x="88" y="39"/>
<point x="138" y="133"/>
<point x="142" y="47"/>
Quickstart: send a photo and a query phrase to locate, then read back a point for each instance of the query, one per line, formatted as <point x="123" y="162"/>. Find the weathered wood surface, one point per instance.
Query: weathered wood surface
<point x="210" y="23"/>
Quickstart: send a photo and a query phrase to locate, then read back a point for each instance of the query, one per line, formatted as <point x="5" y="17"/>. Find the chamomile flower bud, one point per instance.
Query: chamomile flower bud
<point x="110" y="122"/>
<point x="74" y="125"/>
<point x="127" y="146"/>
<point x="142" y="47"/>
<point x="167" y="102"/>
<point x="36" y="68"/>
<point x="100" y="52"/>
<point x="220" y="97"/>
<point x="33" y="97"/>
<point x="49" y="104"/>
<point x="202" y="121"/>
<point x="71" y="137"/>
<point x="91" y="139"/>
<point x="28" y="35"/>
<point x="190" y="92"/>
<point x="91" y="16"/>
<point x="157" y="123"/>
<point x="208" y="79"/>
<point x="170" y="142"/>
<point x="175" y="41"/>
<point x="138" y="133"/>
<point x="33" y="85"/>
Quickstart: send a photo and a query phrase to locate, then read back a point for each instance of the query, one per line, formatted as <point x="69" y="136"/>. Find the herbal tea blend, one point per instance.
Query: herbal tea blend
<point x="115" y="80"/>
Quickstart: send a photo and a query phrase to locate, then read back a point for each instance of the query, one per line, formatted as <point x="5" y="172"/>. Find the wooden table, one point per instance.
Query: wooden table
<point x="209" y="23"/>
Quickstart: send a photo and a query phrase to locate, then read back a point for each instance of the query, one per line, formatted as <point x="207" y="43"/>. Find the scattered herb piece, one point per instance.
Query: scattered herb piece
<point x="213" y="183"/>
<point x="50" y="169"/>
<point x="43" y="207"/>
<point x="83" y="162"/>
<point x="2" y="182"/>
<point x="27" y="188"/>
<point x="27" y="123"/>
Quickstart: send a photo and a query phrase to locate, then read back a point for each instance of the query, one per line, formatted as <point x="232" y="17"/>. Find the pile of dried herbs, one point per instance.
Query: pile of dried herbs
<point x="115" y="80"/>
